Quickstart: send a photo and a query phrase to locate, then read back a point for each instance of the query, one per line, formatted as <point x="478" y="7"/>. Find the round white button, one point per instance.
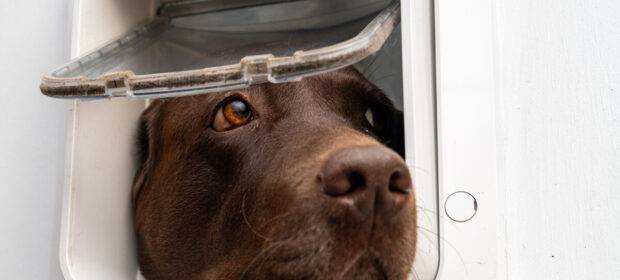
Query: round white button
<point x="461" y="206"/>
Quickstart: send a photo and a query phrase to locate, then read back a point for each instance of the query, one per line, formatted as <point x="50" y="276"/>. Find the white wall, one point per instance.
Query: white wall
<point x="35" y="38"/>
<point x="535" y="84"/>
<point x="558" y="90"/>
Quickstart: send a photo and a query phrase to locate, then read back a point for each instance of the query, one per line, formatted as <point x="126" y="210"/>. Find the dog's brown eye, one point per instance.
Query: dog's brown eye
<point x="232" y="114"/>
<point x="370" y="117"/>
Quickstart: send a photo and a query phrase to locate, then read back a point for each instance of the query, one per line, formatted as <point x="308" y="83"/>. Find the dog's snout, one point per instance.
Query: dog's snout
<point x="360" y="181"/>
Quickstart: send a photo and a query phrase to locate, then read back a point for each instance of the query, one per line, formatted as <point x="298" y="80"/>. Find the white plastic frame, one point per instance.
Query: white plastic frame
<point x="417" y="24"/>
<point x="467" y="138"/>
<point x="92" y="248"/>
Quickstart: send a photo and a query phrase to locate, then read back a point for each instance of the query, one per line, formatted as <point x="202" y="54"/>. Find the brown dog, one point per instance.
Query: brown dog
<point x="278" y="181"/>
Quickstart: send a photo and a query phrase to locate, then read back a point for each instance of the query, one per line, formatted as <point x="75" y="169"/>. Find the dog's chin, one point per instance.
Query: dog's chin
<point x="364" y="267"/>
<point x="304" y="261"/>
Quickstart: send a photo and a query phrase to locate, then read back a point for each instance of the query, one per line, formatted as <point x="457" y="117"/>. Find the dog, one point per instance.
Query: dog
<point x="299" y="180"/>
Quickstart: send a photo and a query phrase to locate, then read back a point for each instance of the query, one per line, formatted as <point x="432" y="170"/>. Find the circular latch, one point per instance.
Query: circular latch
<point x="461" y="206"/>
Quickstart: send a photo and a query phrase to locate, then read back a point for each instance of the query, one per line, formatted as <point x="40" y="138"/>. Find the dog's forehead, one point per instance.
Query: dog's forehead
<point x="343" y="86"/>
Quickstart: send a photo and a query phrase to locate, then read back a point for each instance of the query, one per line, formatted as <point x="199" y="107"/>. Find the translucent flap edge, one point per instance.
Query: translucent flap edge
<point x="250" y="70"/>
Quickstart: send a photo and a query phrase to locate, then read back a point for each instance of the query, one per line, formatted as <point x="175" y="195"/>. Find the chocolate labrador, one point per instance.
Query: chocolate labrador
<point x="278" y="181"/>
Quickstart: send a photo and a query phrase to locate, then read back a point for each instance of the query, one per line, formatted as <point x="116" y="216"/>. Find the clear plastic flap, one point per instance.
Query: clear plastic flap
<point x="196" y="47"/>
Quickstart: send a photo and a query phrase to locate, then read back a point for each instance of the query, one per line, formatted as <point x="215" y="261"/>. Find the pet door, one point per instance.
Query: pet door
<point x="198" y="47"/>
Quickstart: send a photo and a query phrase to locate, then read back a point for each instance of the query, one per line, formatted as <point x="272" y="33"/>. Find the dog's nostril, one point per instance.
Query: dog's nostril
<point x="356" y="181"/>
<point x="400" y="182"/>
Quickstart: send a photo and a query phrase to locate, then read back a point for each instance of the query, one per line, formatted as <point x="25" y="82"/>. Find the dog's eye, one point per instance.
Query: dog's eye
<point x="370" y="117"/>
<point x="232" y="114"/>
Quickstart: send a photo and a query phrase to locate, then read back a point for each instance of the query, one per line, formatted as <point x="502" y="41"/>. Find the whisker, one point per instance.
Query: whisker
<point x="449" y="244"/>
<point x="425" y="209"/>
<point x="257" y="257"/>
<point x="351" y="264"/>
<point x="415" y="274"/>
<point x="419" y="168"/>
<point x="263" y="254"/>
<point x="245" y="218"/>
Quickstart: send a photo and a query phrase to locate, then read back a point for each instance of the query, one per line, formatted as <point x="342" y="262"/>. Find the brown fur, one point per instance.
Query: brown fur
<point x="244" y="203"/>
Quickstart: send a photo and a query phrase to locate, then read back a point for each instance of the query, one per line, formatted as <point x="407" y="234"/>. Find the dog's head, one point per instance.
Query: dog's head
<point x="278" y="181"/>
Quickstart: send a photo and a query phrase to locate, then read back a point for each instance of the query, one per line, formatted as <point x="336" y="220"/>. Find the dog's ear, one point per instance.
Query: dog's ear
<point x="147" y="143"/>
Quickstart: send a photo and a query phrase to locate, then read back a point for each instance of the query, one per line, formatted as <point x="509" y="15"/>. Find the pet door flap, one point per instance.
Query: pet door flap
<point x="195" y="47"/>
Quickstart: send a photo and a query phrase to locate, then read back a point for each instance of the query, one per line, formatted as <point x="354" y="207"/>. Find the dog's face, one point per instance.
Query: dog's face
<point x="278" y="181"/>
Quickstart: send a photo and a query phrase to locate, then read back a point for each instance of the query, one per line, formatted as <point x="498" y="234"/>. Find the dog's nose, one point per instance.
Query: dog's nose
<point x="365" y="180"/>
